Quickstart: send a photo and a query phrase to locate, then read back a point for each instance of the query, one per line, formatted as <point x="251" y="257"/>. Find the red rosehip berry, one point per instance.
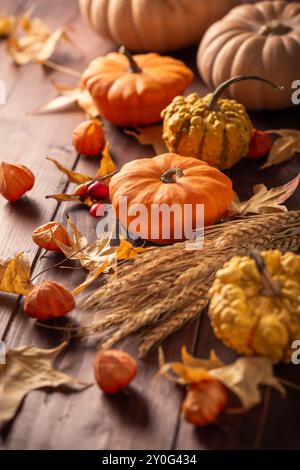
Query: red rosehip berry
<point x="82" y="191"/>
<point x="97" y="210"/>
<point x="260" y="144"/>
<point x="98" y="191"/>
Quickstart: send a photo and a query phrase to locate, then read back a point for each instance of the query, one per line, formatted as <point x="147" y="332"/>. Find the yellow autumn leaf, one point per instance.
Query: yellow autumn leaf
<point x="126" y="250"/>
<point x="107" y="165"/>
<point x="28" y="368"/>
<point x="15" y="275"/>
<point x="32" y="41"/>
<point x="98" y="256"/>
<point x="73" y="176"/>
<point x="6" y="25"/>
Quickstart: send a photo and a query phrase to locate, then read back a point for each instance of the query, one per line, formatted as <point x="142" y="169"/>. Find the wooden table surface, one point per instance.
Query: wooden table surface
<point x="148" y="416"/>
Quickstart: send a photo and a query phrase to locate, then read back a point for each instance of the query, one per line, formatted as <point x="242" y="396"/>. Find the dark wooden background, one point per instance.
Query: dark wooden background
<point x="148" y="416"/>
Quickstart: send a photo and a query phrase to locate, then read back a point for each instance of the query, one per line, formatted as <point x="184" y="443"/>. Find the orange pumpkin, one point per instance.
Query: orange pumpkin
<point x="168" y="179"/>
<point x="133" y="90"/>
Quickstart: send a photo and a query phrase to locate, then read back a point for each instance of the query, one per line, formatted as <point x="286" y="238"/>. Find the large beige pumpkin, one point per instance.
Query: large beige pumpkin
<point x="154" y="25"/>
<point x="261" y="39"/>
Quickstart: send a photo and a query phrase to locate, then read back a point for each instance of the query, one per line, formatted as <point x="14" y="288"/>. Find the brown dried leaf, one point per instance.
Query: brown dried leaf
<point x="60" y="103"/>
<point x="264" y="200"/>
<point x="73" y="176"/>
<point x="68" y="98"/>
<point x="150" y="135"/>
<point x="98" y="256"/>
<point x="28" y="368"/>
<point x="245" y="375"/>
<point x="32" y="41"/>
<point x="107" y="165"/>
<point x="284" y="147"/>
<point x="15" y="274"/>
<point x="63" y="197"/>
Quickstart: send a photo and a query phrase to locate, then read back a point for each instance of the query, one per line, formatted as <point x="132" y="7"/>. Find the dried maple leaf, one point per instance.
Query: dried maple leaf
<point x="107" y="165"/>
<point x="32" y="41"/>
<point x="96" y="257"/>
<point x="284" y="147"/>
<point x="150" y="135"/>
<point x="73" y="176"/>
<point x="28" y="368"/>
<point x="7" y="23"/>
<point x="264" y="200"/>
<point x="68" y="98"/>
<point x="15" y="274"/>
<point x="243" y="377"/>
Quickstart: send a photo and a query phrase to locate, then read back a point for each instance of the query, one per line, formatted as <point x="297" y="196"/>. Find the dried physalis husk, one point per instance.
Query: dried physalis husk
<point x="15" y="180"/>
<point x="88" y="138"/>
<point x="114" y="370"/>
<point x="6" y="25"/>
<point x="46" y="236"/>
<point x="48" y="300"/>
<point x="204" y="401"/>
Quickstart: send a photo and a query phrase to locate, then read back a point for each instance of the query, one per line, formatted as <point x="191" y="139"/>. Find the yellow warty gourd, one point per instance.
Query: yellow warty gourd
<point x="249" y="317"/>
<point x="215" y="130"/>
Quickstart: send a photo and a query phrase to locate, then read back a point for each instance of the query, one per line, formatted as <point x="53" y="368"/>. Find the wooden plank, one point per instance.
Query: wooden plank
<point x="29" y="139"/>
<point x="242" y="432"/>
<point x="91" y="419"/>
<point x="147" y="416"/>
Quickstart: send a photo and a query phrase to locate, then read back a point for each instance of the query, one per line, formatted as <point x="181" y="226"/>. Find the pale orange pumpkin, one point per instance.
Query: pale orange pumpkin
<point x="133" y="90"/>
<point x="153" y="25"/>
<point x="169" y="179"/>
<point x="260" y="39"/>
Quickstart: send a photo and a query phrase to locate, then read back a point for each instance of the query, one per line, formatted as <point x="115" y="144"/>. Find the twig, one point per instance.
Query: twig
<point x="263" y="419"/>
<point x="57" y="264"/>
<point x="290" y="384"/>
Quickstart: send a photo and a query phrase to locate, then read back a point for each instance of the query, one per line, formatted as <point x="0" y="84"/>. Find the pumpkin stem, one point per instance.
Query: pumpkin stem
<point x="170" y="176"/>
<point x="213" y="104"/>
<point x="274" y="27"/>
<point x="133" y="66"/>
<point x="271" y="288"/>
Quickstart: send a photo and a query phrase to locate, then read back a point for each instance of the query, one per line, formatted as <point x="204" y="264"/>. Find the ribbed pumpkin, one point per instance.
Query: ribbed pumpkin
<point x="255" y="308"/>
<point x="133" y="90"/>
<point x="153" y="25"/>
<point x="261" y="39"/>
<point x="166" y="180"/>
<point x="216" y="130"/>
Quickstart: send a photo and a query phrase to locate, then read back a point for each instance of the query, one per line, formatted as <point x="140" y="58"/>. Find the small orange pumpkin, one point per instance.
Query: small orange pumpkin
<point x="168" y="179"/>
<point x="133" y="90"/>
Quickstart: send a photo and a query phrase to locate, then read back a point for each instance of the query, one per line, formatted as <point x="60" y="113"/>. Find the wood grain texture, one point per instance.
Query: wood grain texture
<point x="148" y="416"/>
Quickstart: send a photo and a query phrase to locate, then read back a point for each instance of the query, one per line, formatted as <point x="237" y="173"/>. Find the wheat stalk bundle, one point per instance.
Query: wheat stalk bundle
<point x="163" y="288"/>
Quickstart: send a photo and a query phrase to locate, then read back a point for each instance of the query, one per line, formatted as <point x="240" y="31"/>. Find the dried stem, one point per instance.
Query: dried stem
<point x="162" y="289"/>
<point x="57" y="264"/>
